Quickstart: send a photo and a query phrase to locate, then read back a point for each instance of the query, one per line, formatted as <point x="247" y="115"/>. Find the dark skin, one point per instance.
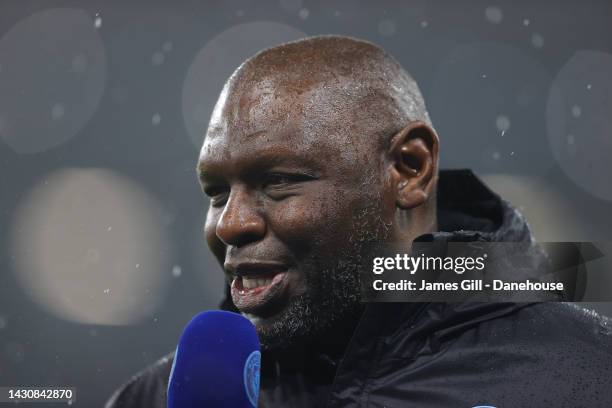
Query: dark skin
<point x="299" y="180"/>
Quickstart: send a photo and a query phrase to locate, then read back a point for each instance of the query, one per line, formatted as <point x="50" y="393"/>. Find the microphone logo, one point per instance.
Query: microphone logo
<point x="251" y="376"/>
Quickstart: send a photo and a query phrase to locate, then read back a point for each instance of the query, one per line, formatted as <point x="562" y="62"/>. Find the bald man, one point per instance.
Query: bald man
<point x="315" y="149"/>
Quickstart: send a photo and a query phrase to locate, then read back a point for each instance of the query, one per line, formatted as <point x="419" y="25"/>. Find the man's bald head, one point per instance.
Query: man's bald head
<point x="331" y="81"/>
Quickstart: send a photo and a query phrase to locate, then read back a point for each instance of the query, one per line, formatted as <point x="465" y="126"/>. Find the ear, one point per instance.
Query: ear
<point x="414" y="156"/>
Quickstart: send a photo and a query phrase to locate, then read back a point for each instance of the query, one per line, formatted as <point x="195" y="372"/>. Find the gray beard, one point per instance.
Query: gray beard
<point x="333" y="295"/>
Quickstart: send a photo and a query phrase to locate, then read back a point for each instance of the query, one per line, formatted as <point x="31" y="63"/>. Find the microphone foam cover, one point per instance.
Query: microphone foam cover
<point x="216" y="364"/>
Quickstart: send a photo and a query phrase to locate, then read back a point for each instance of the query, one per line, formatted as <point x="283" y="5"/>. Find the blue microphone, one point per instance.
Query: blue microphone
<point x="216" y="363"/>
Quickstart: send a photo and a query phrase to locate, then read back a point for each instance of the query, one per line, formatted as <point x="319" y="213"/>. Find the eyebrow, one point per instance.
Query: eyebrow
<point x="263" y="158"/>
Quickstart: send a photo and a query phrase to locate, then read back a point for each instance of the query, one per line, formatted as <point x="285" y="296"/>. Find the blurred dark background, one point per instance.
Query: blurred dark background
<point x="103" y="106"/>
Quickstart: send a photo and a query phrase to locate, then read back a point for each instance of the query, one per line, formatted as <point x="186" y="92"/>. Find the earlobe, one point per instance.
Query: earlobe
<point x="414" y="151"/>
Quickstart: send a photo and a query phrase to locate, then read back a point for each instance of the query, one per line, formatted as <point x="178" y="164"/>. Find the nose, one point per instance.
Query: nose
<point x="240" y="223"/>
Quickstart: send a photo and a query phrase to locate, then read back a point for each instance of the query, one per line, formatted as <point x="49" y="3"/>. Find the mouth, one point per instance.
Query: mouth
<point x="258" y="288"/>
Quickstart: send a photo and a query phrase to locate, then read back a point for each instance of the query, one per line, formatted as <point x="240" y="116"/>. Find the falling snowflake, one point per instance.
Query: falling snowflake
<point x="98" y="21"/>
<point x="57" y="111"/>
<point x="157" y="58"/>
<point x="502" y="123"/>
<point x="176" y="271"/>
<point x="494" y="14"/>
<point x="537" y="40"/>
<point x="167" y="46"/>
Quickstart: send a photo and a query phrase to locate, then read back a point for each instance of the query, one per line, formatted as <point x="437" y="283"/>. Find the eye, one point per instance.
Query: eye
<point x="218" y="194"/>
<point x="276" y="179"/>
<point x="280" y="180"/>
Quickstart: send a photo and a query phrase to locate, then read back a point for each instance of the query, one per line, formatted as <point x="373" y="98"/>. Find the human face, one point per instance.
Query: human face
<point x="292" y="200"/>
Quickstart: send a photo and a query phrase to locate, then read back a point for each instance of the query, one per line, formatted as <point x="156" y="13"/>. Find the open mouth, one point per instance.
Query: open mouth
<point x="257" y="289"/>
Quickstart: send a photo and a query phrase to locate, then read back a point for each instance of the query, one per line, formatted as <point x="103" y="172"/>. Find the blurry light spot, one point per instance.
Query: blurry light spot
<point x="576" y="111"/>
<point x="156" y="119"/>
<point x="424" y="24"/>
<point x="109" y="228"/>
<point x="537" y="40"/>
<point x="157" y="58"/>
<point x="511" y="153"/>
<point x="386" y="28"/>
<point x="176" y="271"/>
<point x="167" y="46"/>
<point x="46" y="49"/>
<point x="589" y="86"/>
<point x="240" y="13"/>
<point x="57" y="112"/>
<point x="496" y="156"/>
<point x="98" y="21"/>
<point x="65" y="258"/>
<point x="526" y="22"/>
<point x="304" y="13"/>
<point x="494" y="14"/>
<point x="503" y="123"/>
<point x="2" y="323"/>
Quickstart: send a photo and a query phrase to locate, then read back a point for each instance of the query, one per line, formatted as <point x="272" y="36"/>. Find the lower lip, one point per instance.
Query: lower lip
<point x="260" y="299"/>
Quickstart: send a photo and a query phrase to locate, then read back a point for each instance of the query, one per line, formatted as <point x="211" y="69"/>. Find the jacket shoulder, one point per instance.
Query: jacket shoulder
<point x="568" y="323"/>
<point x="147" y="389"/>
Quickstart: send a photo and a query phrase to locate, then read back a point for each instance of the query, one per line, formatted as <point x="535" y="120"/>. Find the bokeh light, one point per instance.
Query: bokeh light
<point x="579" y="121"/>
<point x="89" y="247"/>
<point x="52" y="80"/>
<point x="216" y="61"/>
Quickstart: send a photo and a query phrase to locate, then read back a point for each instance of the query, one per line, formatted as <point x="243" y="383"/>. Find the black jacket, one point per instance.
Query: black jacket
<point x="444" y="354"/>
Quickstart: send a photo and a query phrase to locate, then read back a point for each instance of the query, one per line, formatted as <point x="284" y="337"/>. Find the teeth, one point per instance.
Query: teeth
<point x="250" y="282"/>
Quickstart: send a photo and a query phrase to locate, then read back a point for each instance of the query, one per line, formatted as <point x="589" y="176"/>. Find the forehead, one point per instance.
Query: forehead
<point x="274" y="115"/>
